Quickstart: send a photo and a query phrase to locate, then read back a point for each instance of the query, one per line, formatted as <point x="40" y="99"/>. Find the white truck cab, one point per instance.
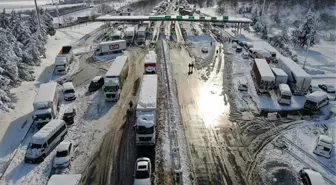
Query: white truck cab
<point x="285" y="94"/>
<point x="323" y="146"/>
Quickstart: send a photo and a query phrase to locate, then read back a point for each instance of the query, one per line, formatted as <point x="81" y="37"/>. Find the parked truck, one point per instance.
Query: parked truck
<point x="110" y="47"/>
<point x="262" y="75"/>
<point x="146" y="111"/>
<point x="146" y="24"/>
<point x="150" y="63"/>
<point x="63" y="59"/>
<point x="45" y="104"/>
<point x="129" y="35"/>
<point x="116" y="35"/>
<point x="280" y="76"/>
<point x="298" y="79"/>
<point x="115" y="77"/>
<point x="141" y="35"/>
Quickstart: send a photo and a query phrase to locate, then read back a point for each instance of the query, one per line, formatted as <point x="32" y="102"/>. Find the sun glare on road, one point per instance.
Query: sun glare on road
<point x="212" y="106"/>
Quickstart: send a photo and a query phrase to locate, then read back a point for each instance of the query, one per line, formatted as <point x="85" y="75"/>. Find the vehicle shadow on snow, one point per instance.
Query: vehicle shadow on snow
<point x="98" y="107"/>
<point x="45" y="76"/>
<point x="136" y="86"/>
<point x="21" y="170"/>
<point x="15" y="132"/>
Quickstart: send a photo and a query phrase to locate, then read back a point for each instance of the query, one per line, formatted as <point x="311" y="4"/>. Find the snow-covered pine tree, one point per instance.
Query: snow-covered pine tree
<point x="306" y="31"/>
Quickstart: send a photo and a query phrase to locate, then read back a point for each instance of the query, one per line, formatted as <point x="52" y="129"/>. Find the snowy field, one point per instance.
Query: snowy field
<point x="300" y="142"/>
<point x="16" y="123"/>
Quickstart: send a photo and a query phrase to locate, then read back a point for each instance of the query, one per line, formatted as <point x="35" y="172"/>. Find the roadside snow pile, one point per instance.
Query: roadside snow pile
<point x="64" y="179"/>
<point x="22" y="47"/>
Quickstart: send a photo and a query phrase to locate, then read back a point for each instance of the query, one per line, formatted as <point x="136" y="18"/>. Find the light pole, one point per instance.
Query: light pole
<point x="263" y="9"/>
<point x="38" y="17"/>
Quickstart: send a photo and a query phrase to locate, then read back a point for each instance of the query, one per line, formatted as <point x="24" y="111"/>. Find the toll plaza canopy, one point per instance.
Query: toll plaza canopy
<point x="226" y="19"/>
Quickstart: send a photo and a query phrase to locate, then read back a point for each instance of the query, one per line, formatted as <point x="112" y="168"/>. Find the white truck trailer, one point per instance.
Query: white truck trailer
<point x="146" y="111"/>
<point x="115" y="78"/>
<point x="298" y="80"/>
<point x="280" y="76"/>
<point x="150" y="63"/>
<point x="129" y="35"/>
<point x="262" y="75"/>
<point x="110" y="47"/>
<point x="141" y="35"/>
<point x="45" y="104"/>
<point x="63" y="59"/>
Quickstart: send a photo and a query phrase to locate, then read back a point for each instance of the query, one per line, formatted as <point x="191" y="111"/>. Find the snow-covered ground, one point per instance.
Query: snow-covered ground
<point x="16" y="123"/>
<point x="300" y="142"/>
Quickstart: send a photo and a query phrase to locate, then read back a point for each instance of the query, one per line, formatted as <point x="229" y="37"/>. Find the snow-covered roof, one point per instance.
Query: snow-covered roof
<point x="46" y="92"/>
<point x="294" y="67"/>
<point x="116" y="66"/>
<point x="150" y="58"/>
<point x="63" y="146"/>
<point x="148" y="92"/>
<point x="326" y="139"/>
<point x="317" y="96"/>
<point x="65" y="179"/>
<point x="112" y="42"/>
<point x="130" y="29"/>
<point x="264" y="69"/>
<point x="146" y="120"/>
<point x="95" y="79"/>
<point x="151" y="52"/>
<point x="116" y="33"/>
<point x="285" y="88"/>
<point x="142" y="29"/>
<point x="68" y="85"/>
<point x="48" y="129"/>
<point x="278" y="72"/>
<point x="315" y="177"/>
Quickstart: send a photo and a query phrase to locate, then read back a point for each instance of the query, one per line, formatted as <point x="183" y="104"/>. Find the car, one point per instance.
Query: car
<point x="327" y="88"/>
<point x="241" y="44"/>
<point x="142" y="175"/>
<point x="311" y="177"/>
<point x="239" y="49"/>
<point x="245" y="55"/>
<point x="96" y="83"/>
<point x="205" y="50"/>
<point x="63" y="155"/>
<point x="69" y="115"/>
<point x="242" y="87"/>
<point x="69" y="91"/>
<point x="314" y="88"/>
<point x="295" y="58"/>
<point x="234" y="45"/>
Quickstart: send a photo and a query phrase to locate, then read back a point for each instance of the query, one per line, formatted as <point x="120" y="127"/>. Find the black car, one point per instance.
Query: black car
<point x="239" y="49"/>
<point x="327" y="88"/>
<point x="69" y="115"/>
<point x="96" y="83"/>
<point x="241" y="44"/>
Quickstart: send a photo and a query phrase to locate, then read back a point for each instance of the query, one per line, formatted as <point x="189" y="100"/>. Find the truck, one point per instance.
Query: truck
<point x="262" y="75"/>
<point x="116" y="35"/>
<point x="280" y="76"/>
<point x="45" y="104"/>
<point x="150" y="63"/>
<point x="298" y="79"/>
<point x="141" y="35"/>
<point x="110" y="47"/>
<point x="146" y="111"/>
<point x="115" y="78"/>
<point x="146" y="24"/>
<point x="63" y="59"/>
<point x="129" y="34"/>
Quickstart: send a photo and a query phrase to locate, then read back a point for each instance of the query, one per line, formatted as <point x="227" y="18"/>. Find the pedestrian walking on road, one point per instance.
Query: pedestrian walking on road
<point x="192" y="67"/>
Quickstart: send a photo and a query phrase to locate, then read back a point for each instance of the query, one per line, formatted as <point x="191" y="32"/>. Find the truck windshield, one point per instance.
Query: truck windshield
<point x="111" y="88"/>
<point x="43" y="116"/>
<point x="286" y="97"/>
<point x="144" y="130"/>
<point x="35" y="146"/>
<point x="129" y="37"/>
<point x="69" y="91"/>
<point x="310" y="103"/>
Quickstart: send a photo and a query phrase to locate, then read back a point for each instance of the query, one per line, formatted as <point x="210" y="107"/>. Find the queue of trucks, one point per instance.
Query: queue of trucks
<point x="63" y="59"/>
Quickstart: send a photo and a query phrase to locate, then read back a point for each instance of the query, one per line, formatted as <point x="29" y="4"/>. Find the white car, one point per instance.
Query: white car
<point x="245" y="55"/>
<point x="69" y="91"/>
<point x="63" y="155"/>
<point x="142" y="175"/>
<point x="205" y="50"/>
<point x="311" y="177"/>
<point x="234" y="45"/>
